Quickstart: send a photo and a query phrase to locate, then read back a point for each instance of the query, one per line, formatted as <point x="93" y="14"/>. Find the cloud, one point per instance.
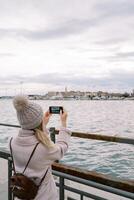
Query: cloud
<point x="6" y="54"/>
<point x="117" y="57"/>
<point x="125" y="54"/>
<point x="113" y="8"/>
<point x="121" y="80"/>
<point x="70" y="27"/>
<point x="94" y="37"/>
<point x="111" y="41"/>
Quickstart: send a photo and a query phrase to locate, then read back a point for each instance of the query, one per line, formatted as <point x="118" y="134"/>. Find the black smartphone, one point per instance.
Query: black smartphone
<point x="55" y="109"/>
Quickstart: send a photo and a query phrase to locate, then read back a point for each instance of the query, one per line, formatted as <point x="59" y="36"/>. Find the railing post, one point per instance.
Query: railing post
<point x="61" y="188"/>
<point x="9" y="175"/>
<point x="52" y="133"/>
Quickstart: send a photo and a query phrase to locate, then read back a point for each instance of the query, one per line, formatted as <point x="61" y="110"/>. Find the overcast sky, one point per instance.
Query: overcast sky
<point x="82" y="44"/>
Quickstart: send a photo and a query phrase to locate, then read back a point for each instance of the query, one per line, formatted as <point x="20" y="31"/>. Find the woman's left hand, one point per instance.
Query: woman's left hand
<point x="46" y="117"/>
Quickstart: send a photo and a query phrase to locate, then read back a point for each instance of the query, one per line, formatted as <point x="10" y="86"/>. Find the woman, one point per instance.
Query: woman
<point x="33" y="129"/>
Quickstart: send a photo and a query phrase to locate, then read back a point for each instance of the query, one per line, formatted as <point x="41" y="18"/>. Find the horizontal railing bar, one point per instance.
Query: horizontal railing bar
<point x="80" y="192"/>
<point x="95" y="179"/>
<point x="107" y="138"/>
<point x="4" y="154"/>
<point x="121" y="187"/>
<point x="126" y="185"/>
<point x="91" y="136"/>
<point x="95" y="185"/>
<point x="84" y="193"/>
<point x="10" y="125"/>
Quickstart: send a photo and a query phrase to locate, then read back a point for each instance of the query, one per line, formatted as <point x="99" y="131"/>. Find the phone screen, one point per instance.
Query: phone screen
<point x="55" y="109"/>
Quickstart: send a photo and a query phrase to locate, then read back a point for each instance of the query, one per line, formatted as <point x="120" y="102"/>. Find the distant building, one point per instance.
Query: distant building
<point x="65" y="89"/>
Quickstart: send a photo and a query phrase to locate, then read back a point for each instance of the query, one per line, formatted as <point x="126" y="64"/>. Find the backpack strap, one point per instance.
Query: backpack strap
<point x="12" y="155"/>
<point x="43" y="178"/>
<point x="30" y="157"/>
<point x="27" y="162"/>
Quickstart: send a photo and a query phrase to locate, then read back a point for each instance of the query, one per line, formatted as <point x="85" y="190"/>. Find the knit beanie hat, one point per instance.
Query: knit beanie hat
<point x="29" y="114"/>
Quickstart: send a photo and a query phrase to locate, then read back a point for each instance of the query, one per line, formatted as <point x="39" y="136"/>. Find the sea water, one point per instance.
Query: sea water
<point x="100" y="117"/>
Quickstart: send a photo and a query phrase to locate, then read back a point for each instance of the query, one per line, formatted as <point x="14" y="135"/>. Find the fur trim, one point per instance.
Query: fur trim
<point x="20" y="102"/>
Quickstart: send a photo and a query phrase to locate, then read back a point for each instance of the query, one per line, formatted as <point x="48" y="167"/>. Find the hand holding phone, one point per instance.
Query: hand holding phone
<point x="46" y="117"/>
<point x="63" y="118"/>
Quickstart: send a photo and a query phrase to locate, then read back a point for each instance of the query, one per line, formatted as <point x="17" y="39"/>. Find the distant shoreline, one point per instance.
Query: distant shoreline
<point x="77" y="95"/>
<point x="71" y="99"/>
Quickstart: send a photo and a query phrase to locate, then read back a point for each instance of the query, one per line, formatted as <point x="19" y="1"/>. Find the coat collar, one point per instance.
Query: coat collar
<point x="25" y="133"/>
<point x="26" y="138"/>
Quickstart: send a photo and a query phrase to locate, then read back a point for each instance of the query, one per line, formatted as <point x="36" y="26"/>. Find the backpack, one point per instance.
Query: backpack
<point x="22" y="186"/>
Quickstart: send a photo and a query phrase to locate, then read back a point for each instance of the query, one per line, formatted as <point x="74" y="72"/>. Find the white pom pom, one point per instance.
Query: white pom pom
<point x="20" y="102"/>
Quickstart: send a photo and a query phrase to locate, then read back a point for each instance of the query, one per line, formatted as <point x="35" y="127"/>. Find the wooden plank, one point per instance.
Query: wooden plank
<point x="125" y="185"/>
<point x="101" y="137"/>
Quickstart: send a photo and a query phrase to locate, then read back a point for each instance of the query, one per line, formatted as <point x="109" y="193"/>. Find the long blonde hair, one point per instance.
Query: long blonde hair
<point x="43" y="137"/>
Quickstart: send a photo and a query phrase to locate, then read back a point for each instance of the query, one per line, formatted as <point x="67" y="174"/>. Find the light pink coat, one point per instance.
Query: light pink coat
<point x="42" y="159"/>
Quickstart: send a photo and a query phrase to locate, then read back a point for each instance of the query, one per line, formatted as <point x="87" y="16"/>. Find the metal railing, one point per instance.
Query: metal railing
<point x="124" y="188"/>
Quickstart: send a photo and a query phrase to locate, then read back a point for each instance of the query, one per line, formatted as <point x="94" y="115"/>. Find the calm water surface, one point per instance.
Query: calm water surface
<point x="102" y="117"/>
